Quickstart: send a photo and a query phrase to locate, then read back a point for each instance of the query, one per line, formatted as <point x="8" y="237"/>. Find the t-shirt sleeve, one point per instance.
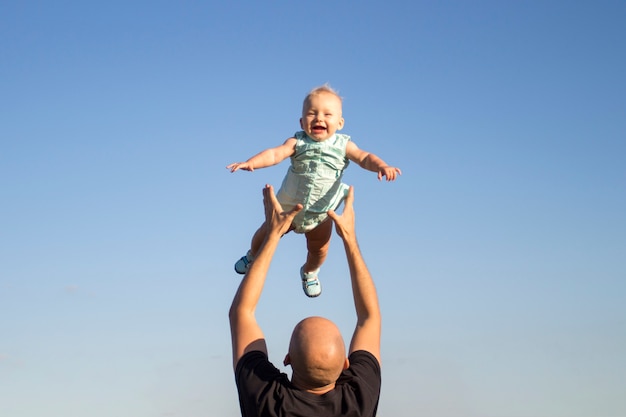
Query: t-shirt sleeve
<point x="253" y="374"/>
<point x="364" y="371"/>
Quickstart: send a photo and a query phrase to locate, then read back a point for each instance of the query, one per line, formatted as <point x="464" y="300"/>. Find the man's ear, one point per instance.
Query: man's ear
<point x="287" y="360"/>
<point x="346" y="364"/>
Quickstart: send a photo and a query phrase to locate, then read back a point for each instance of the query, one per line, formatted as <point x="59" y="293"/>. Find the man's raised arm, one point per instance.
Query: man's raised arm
<point x="246" y="334"/>
<point x="368" y="327"/>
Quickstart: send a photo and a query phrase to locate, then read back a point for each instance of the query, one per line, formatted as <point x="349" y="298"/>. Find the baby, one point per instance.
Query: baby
<point x="319" y="155"/>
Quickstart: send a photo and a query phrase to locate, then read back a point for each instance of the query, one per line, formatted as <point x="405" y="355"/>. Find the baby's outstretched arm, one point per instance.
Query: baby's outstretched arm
<point x="389" y="172"/>
<point x="371" y="162"/>
<point x="236" y="166"/>
<point x="266" y="158"/>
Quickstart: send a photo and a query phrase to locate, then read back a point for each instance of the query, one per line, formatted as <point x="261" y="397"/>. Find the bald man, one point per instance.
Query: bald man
<point x="324" y="382"/>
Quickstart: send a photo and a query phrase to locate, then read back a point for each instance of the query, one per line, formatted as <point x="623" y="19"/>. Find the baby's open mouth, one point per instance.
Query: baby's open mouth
<point x="318" y="129"/>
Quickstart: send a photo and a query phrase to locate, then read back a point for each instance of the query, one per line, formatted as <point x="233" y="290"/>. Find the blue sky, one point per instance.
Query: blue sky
<point x="498" y="255"/>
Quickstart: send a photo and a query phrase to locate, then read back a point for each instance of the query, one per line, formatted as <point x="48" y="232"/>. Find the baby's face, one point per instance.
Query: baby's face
<point x="321" y="116"/>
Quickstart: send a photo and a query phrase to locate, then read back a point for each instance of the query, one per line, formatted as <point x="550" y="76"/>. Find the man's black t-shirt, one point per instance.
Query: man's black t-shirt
<point x="266" y="392"/>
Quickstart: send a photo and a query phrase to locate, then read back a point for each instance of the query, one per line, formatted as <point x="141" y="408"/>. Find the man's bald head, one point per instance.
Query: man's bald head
<point x="317" y="353"/>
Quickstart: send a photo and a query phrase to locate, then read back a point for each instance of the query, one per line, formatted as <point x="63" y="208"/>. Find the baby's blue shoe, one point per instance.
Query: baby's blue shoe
<point x="243" y="264"/>
<point x="310" y="283"/>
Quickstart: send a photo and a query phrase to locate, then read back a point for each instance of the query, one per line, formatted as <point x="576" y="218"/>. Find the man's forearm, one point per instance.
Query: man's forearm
<point x="363" y="288"/>
<point x="251" y="286"/>
<point x="246" y="333"/>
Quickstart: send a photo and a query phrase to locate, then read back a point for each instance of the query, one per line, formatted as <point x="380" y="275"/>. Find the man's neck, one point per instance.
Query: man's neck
<point x="313" y="390"/>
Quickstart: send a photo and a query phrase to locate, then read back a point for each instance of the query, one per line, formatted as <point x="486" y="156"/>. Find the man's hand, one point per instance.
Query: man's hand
<point x="277" y="220"/>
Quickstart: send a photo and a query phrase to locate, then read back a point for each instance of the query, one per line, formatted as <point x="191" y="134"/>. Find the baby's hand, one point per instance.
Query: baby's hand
<point x="389" y="172"/>
<point x="240" y="165"/>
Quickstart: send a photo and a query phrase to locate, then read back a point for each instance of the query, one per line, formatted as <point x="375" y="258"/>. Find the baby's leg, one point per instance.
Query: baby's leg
<point x="257" y="240"/>
<point x="317" y="243"/>
<point x="243" y="264"/>
<point x="259" y="237"/>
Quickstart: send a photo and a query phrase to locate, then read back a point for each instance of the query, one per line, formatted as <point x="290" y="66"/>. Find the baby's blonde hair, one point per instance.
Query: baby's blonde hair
<point x="325" y="88"/>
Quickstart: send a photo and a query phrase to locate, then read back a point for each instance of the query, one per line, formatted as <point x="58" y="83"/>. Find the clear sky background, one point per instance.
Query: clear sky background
<point x="499" y="255"/>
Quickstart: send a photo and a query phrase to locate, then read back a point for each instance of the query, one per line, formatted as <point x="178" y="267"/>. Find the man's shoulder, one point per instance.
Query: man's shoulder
<point x="256" y="366"/>
<point x="254" y="371"/>
<point x="360" y="384"/>
<point x="362" y="355"/>
<point x="259" y="384"/>
<point x="364" y="358"/>
<point x="364" y="367"/>
<point x="251" y="359"/>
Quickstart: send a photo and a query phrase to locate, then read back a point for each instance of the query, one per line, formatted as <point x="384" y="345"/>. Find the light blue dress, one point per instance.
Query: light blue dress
<point x="314" y="179"/>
